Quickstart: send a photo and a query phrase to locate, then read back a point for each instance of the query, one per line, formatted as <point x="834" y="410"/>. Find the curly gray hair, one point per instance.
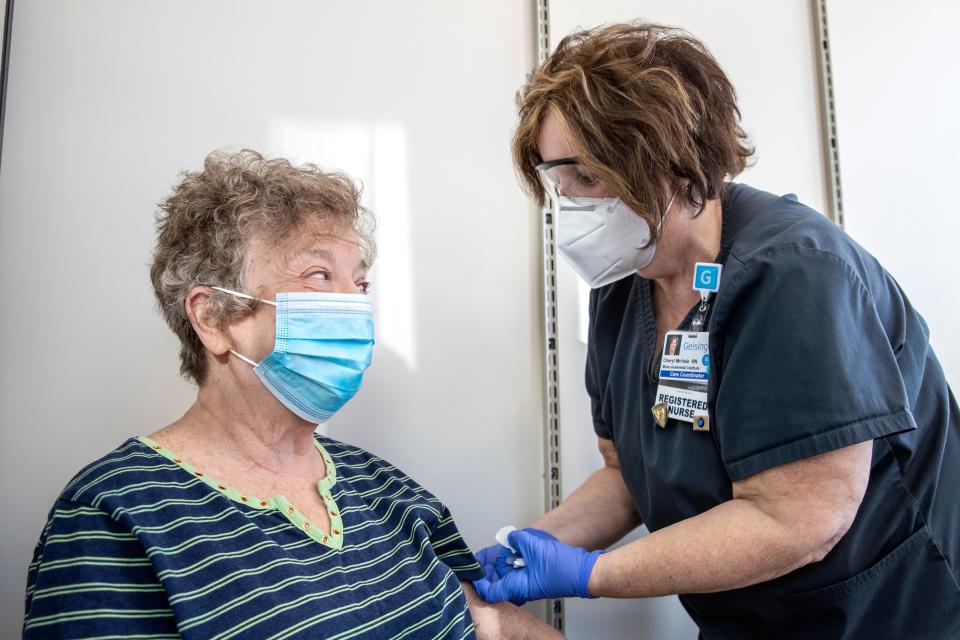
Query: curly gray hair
<point x="205" y="227"/>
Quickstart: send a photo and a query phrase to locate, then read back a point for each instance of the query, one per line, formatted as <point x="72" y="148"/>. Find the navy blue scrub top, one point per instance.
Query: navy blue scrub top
<point x="813" y="347"/>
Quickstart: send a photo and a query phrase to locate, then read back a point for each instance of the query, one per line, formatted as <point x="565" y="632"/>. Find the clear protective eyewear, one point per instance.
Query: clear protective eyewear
<point x="567" y="178"/>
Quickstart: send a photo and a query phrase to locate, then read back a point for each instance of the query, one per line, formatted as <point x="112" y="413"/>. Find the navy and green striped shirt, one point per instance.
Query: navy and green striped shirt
<point x="141" y="544"/>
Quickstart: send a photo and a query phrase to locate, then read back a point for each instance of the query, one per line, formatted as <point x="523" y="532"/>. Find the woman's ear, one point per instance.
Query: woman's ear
<point x="200" y="310"/>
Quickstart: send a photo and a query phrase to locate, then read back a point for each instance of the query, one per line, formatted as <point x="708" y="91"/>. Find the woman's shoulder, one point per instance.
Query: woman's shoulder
<point x="127" y="466"/>
<point x="762" y="223"/>
<point x="782" y="235"/>
<point x="364" y="469"/>
<point x="346" y="452"/>
<point x="351" y="460"/>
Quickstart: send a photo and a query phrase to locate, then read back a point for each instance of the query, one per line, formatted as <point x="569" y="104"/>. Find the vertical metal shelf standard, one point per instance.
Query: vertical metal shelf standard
<point x="5" y="65"/>
<point x="831" y="145"/>
<point x="552" y="475"/>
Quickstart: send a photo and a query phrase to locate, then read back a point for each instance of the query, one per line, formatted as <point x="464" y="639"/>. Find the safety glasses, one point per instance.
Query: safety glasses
<point x="567" y="178"/>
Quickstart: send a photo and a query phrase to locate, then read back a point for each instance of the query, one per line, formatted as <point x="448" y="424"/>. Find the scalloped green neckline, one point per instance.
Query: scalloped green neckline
<point x="334" y="539"/>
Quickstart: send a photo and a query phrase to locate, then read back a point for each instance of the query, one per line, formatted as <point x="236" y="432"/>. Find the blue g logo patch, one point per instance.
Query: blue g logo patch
<point x="706" y="277"/>
<point x="705" y="360"/>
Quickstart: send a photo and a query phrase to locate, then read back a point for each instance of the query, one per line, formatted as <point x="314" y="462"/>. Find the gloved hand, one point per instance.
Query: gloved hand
<point x="488" y="558"/>
<point x="494" y="559"/>
<point x="554" y="570"/>
<point x="504" y="561"/>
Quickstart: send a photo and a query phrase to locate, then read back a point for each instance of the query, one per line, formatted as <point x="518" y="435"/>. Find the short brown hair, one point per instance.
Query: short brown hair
<point x="642" y="104"/>
<point x="205" y="227"/>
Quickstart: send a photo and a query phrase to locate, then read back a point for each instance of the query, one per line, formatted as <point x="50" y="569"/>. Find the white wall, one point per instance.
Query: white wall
<point x="108" y="100"/>
<point x="767" y="50"/>
<point x="897" y="100"/>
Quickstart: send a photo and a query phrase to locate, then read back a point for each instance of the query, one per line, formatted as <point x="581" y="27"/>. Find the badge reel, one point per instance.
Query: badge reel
<point x="685" y="361"/>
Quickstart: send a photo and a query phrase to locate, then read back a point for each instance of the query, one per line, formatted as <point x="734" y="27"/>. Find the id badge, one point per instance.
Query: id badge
<point x="684" y="376"/>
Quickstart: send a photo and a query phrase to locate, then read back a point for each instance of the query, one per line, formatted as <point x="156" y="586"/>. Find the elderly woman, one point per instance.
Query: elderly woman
<point x="799" y="473"/>
<point x="236" y="521"/>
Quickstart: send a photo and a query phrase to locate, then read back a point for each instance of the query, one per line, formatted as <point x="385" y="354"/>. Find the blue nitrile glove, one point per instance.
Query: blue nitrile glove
<point x="488" y="557"/>
<point x="554" y="570"/>
<point x="503" y="567"/>
<point x="494" y="558"/>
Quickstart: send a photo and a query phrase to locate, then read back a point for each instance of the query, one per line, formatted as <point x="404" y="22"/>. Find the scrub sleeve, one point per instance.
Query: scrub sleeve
<point x="802" y="362"/>
<point x="602" y="351"/>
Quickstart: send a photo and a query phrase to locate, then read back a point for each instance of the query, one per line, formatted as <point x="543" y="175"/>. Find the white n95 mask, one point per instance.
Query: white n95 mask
<point x="603" y="239"/>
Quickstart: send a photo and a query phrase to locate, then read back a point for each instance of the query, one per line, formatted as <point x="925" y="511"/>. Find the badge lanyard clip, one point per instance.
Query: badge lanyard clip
<point x="700" y="316"/>
<point x="706" y="281"/>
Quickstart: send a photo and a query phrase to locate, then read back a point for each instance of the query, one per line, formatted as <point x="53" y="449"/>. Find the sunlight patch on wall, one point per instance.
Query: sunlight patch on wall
<point x="376" y="154"/>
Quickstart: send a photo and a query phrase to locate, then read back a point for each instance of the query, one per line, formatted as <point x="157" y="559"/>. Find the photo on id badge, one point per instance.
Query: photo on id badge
<point x="673" y="345"/>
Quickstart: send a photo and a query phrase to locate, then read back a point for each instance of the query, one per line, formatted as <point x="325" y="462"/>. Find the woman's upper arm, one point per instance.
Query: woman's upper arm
<point x="504" y="621"/>
<point x="815" y="499"/>
<point x="90" y="576"/>
<point x="609" y="452"/>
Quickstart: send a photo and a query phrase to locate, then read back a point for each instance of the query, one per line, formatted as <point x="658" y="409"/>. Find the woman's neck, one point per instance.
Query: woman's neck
<point x="256" y="435"/>
<point x="686" y="240"/>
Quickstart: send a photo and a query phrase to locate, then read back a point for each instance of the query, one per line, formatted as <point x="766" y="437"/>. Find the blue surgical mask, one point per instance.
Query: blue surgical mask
<point x="323" y="345"/>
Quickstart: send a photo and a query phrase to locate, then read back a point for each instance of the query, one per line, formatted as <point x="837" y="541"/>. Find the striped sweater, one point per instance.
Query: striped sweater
<point x="140" y="544"/>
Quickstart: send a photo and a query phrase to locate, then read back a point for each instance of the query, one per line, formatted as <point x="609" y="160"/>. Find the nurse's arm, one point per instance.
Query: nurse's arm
<point x="777" y="521"/>
<point x="599" y="512"/>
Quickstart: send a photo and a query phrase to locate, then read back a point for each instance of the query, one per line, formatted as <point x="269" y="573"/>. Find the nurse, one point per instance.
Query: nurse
<point x="798" y="460"/>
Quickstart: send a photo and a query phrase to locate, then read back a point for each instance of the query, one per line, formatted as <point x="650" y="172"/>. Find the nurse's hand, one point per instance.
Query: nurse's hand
<point x="490" y="557"/>
<point x="497" y="560"/>
<point x="554" y="570"/>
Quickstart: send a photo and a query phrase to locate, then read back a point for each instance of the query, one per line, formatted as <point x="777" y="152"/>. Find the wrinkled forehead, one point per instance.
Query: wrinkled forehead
<point x="336" y="244"/>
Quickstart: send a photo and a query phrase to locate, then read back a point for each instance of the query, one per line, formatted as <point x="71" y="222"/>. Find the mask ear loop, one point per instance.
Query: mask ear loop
<point x="666" y="211"/>
<point x="656" y="233"/>
<point x="244" y="358"/>
<point x="242" y="295"/>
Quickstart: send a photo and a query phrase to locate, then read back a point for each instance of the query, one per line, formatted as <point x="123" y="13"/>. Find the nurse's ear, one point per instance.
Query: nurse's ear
<point x="207" y="318"/>
<point x="685" y="194"/>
